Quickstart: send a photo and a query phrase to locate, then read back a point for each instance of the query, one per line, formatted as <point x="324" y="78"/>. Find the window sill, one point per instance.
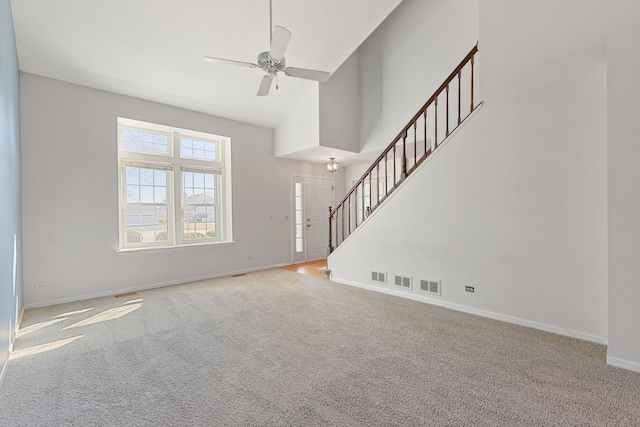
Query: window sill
<point x="161" y="248"/>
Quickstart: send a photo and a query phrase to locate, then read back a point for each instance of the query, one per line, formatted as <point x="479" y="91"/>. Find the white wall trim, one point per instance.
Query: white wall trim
<point x="479" y="312"/>
<point x="623" y="363"/>
<point x="283" y="264"/>
<point x="150" y="286"/>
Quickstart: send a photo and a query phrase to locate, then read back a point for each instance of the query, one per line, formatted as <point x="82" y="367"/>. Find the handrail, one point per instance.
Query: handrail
<point x="360" y="189"/>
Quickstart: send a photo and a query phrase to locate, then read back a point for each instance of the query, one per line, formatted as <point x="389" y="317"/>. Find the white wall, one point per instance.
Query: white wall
<point x="515" y="204"/>
<point x="352" y="173"/>
<point x="70" y="196"/>
<point x="10" y="187"/>
<point x="623" y="173"/>
<point x="405" y="60"/>
<point x="339" y="109"/>
<point x="300" y="130"/>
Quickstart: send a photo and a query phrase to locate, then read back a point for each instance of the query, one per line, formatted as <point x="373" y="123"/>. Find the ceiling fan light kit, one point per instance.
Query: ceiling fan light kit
<point x="273" y="62"/>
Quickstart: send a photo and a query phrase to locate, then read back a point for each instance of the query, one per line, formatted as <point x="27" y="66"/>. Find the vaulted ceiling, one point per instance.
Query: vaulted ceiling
<point x="153" y="49"/>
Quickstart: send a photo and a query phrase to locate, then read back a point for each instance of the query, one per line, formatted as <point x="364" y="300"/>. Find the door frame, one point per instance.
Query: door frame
<point x="292" y="210"/>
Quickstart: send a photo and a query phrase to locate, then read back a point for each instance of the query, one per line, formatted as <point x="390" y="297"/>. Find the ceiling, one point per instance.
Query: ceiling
<point x="153" y="49"/>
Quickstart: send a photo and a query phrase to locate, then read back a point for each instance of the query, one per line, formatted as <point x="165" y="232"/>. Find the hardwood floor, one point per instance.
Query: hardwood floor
<point x="308" y="268"/>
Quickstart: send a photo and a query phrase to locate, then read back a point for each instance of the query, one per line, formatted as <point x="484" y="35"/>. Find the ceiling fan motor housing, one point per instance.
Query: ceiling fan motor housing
<point x="270" y="65"/>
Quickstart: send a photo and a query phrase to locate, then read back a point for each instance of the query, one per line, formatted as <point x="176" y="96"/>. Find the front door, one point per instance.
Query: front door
<point x="312" y="197"/>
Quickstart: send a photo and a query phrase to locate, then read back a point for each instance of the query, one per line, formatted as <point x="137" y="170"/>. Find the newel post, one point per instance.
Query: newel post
<point x="330" y="239"/>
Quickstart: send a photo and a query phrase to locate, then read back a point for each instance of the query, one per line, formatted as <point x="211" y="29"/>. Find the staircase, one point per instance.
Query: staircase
<point x="445" y="110"/>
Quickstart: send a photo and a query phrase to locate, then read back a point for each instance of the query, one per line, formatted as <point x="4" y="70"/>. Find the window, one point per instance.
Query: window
<point x="299" y="217"/>
<point x="174" y="186"/>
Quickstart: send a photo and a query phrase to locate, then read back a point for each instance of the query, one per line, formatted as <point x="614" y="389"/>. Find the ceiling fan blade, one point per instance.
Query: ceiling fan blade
<point x="265" y="85"/>
<point x="229" y="61"/>
<point x="279" y="41"/>
<point x="303" y="73"/>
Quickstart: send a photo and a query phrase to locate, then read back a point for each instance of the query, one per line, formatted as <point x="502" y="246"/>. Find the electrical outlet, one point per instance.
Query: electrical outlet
<point x="469" y="289"/>
<point x="40" y="286"/>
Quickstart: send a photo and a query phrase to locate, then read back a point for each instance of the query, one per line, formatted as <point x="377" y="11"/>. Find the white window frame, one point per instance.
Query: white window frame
<point x="174" y="164"/>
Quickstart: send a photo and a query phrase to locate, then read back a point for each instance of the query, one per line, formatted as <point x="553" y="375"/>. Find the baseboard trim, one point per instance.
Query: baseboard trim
<point x="148" y="286"/>
<point x="623" y="364"/>
<point x="284" y="264"/>
<point x="477" y="312"/>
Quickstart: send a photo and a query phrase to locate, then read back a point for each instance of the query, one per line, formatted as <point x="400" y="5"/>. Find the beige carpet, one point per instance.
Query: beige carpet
<point x="279" y="348"/>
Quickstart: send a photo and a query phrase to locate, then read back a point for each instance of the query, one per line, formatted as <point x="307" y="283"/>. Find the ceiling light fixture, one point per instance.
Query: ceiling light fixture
<point x="332" y="166"/>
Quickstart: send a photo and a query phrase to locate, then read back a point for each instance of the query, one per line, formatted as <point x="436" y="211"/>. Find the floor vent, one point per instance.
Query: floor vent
<point x="404" y="282"/>
<point x="128" y="294"/>
<point x="430" y="286"/>
<point x="379" y="277"/>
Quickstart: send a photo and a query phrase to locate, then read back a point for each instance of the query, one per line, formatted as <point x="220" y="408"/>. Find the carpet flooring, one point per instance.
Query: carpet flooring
<point x="276" y="348"/>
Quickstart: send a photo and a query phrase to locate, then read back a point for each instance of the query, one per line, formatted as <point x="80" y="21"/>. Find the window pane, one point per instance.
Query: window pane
<point x="208" y="180"/>
<point x="133" y="193"/>
<point x="146" y="176"/>
<point x="160" y="177"/>
<point x="298" y="217"/>
<point x="145" y="141"/>
<point x="145" y="185"/>
<point x="160" y="194"/>
<point x="146" y="223"/>
<point x="298" y="203"/>
<point x="186" y="152"/>
<point x="210" y="151"/>
<point x="146" y="194"/>
<point x="197" y="149"/>
<point x="132" y="175"/>
<point x="199" y="222"/>
<point x="187" y="179"/>
<point x="198" y="180"/>
<point x="198" y="210"/>
<point x="299" y="244"/>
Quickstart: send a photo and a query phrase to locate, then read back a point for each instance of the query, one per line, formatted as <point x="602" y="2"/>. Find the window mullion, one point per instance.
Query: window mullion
<point x="122" y="204"/>
<point x="219" y="217"/>
<point x="177" y="192"/>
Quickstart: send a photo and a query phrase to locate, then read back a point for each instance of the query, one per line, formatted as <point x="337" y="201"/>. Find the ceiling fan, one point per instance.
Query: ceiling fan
<point x="273" y="62"/>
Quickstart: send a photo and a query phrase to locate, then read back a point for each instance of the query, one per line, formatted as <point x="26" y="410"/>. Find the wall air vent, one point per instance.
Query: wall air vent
<point x="430" y="286"/>
<point x="379" y="277"/>
<point x="404" y="282"/>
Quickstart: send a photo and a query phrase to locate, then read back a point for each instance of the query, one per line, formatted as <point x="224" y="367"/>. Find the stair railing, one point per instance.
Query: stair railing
<point x="424" y="133"/>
